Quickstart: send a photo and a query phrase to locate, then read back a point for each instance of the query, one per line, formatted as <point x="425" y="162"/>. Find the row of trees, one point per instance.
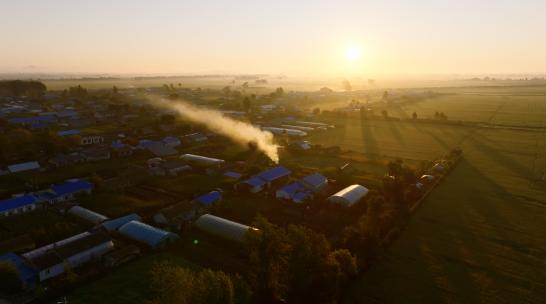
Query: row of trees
<point x="178" y="285"/>
<point x="22" y="143"/>
<point x="16" y="88"/>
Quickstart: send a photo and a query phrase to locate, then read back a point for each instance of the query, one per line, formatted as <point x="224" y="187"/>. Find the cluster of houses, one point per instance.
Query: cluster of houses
<point x="100" y="243"/>
<point x="61" y="192"/>
<point x="302" y="190"/>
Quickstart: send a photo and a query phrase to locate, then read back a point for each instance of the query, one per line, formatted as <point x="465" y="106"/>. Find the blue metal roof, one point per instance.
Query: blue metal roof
<point x="68" y="132"/>
<point x="255" y="181"/>
<point x="209" y="198"/>
<point x="233" y="174"/>
<point x="120" y="221"/>
<point x="315" y="180"/>
<point x="39" y="125"/>
<point x="291" y="189"/>
<point x="45" y="195"/>
<point x="117" y="144"/>
<point x="32" y="120"/>
<point x="274" y="173"/>
<point x="71" y="186"/>
<point x="26" y="274"/>
<point x="301" y="196"/>
<point x="17" y="202"/>
<point x="170" y="139"/>
<point x="145" y="233"/>
<point x="67" y="113"/>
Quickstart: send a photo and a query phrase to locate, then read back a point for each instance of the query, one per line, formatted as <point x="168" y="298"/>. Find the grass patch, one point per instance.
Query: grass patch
<point x="126" y="284"/>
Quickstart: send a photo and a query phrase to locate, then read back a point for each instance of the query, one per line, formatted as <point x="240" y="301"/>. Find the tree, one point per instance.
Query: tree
<point x="174" y="284"/>
<point x="341" y="266"/>
<point x="325" y="90"/>
<point x="279" y="91"/>
<point x="316" y="111"/>
<point x="77" y="91"/>
<point x="385" y="95"/>
<point x="414" y="115"/>
<point x="246" y="104"/>
<point x="385" y="114"/>
<point x="267" y="252"/>
<point x="115" y="90"/>
<point x="9" y="276"/>
<point x="346" y="85"/>
<point x="226" y="90"/>
<point x="293" y="264"/>
<point x="16" y="88"/>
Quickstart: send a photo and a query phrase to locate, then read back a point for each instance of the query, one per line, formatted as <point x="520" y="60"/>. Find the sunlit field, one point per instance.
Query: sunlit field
<point x="513" y="110"/>
<point x="478" y="237"/>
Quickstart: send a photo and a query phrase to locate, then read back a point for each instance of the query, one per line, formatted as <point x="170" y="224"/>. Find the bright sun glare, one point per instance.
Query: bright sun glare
<point x="352" y="53"/>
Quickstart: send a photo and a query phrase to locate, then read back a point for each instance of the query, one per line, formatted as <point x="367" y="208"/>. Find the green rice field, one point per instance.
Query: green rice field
<point x="479" y="237"/>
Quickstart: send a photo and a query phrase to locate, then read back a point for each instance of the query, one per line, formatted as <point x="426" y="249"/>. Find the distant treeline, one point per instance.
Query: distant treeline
<point x="22" y="88"/>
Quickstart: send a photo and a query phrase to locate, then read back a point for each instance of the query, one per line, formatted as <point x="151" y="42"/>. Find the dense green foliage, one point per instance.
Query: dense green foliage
<point x="173" y="284"/>
<point x="17" y="88"/>
<point x="295" y="264"/>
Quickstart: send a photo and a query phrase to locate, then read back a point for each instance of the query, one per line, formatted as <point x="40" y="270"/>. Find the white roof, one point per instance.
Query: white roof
<point x="221" y="227"/>
<point x="33" y="165"/>
<point x="203" y="160"/>
<point x="350" y="195"/>
<point x="88" y="215"/>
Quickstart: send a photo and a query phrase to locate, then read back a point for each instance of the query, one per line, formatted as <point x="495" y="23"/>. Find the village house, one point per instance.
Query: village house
<point x="18" y="204"/>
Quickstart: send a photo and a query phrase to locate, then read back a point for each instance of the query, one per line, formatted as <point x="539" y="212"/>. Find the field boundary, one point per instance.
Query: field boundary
<point x="389" y="237"/>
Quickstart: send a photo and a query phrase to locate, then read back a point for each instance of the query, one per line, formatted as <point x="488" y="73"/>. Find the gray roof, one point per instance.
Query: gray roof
<point x="221" y="227"/>
<point x="152" y="236"/>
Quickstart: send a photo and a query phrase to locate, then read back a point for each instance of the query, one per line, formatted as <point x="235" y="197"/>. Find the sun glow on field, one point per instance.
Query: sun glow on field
<point x="353" y="53"/>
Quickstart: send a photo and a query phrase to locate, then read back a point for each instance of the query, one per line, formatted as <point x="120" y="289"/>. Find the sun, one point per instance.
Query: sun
<point x="352" y="53"/>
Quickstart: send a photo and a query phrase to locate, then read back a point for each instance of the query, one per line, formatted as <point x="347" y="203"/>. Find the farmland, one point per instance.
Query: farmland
<point x="479" y="236"/>
<point x="526" y="109"/>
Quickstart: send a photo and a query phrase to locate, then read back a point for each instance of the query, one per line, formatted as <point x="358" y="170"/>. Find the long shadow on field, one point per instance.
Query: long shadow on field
<point x="437" y="138"/>
<point x="500" y="158"/>
<point x="370" y="143"/>
<point x="395" y="130"/>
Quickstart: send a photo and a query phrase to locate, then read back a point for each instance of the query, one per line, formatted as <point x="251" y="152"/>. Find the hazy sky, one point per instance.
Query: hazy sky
<point x="274" y="36"/>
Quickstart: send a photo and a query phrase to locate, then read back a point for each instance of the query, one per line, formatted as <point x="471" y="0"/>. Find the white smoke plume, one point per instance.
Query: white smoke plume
<point x="239" y="131"/>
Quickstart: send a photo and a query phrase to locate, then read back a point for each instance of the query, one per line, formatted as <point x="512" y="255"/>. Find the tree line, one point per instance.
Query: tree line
<point x="17" y="88"/>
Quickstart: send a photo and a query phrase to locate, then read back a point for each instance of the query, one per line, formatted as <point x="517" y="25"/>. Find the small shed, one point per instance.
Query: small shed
<point x="350" y="195"/>
<point x="222" y="227"/>
<point x="315" y="182"/>
<point x="287" y="192"/>
<point x="144" y="233"/>
<point x="209" y="199"/>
